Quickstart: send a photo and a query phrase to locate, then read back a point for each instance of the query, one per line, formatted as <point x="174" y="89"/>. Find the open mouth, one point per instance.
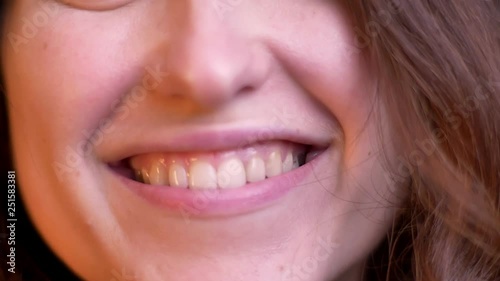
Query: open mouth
<point x="218" y="169"/>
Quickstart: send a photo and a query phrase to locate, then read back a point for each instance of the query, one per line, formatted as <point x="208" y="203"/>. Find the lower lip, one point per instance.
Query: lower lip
<point x="222" y="202"/>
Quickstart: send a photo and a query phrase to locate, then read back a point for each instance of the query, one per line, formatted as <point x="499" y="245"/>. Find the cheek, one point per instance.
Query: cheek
<point x="328" y="63"/>
<point x="330" y="66"/>
<point x="67" y="69"/>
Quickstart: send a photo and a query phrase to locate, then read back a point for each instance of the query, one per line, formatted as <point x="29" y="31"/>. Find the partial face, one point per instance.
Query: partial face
<point x="189" y="140"/>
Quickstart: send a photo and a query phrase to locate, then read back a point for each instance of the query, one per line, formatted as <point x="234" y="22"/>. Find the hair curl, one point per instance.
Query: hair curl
<point x="439" y="65"/>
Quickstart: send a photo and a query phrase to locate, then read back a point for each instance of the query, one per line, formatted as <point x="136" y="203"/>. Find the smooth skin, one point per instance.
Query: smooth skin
<point x="283" y="64"/>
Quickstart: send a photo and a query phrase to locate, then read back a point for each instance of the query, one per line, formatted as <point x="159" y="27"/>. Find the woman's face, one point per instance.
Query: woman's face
<point x="160" y="140"/>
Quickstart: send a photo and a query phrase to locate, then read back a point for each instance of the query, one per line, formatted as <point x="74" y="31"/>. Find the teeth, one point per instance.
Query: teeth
<point x="273" y="164"/>
<point x="145" y="176"/>
<point x="230" y="173"/>
<point x="158" y="174"/>
<point x="177" y="176"/>
<point x="296" y="162"/>
<point x="256" y="169"/>
<point x="288" y="163"/>
<point x="138" y="176"/>
<point x="202" y="175"/>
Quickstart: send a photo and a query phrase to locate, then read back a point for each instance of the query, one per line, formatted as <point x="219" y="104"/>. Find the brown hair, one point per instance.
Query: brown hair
<point x="439" y="65"/>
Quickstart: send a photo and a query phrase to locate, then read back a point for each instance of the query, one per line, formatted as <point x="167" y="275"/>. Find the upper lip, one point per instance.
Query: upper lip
<point x="205" y="140"/>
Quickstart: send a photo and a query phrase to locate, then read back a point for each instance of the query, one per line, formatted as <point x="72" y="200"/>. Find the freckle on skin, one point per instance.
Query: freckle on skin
<point x="45" y="45"/>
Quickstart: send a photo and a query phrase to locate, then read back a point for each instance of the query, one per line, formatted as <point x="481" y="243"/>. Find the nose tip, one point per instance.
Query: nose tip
<point x="210" y="64"/>
<point x="211" y="76"/>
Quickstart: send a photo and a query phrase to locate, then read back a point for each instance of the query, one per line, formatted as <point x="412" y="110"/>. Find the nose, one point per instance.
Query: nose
<point x="207" y="60"/>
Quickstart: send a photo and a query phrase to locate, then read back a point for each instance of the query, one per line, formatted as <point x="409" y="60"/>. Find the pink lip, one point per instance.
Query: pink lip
<point x="189" y="203"/>
<point x="210" y="140"/>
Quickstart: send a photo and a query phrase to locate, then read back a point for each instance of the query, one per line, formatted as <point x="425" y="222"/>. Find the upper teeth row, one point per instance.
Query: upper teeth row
<point x="230" y="173"/>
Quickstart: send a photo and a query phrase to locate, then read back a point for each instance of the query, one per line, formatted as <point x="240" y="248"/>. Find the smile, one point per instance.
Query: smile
<point x="224" y="169"/>
<point x="211" y="177"/>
